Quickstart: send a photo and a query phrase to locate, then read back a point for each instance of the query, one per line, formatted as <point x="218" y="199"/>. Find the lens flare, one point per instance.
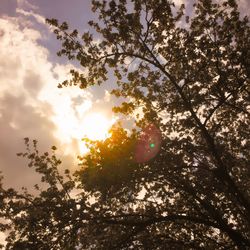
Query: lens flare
<point x="148" y="145"/>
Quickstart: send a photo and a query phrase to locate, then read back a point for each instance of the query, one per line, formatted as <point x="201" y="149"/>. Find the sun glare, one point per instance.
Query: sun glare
<point x="96" y="126"/>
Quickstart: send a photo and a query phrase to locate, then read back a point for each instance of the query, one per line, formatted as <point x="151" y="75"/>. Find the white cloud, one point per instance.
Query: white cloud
<point x="18" y="55"/>
<point x="25" y="4"/>
<point x="40" y="19"/>
<point x="30" y="102"/>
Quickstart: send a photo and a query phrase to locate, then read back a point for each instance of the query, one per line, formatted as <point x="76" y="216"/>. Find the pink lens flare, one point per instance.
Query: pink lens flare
<point x="149" y="144"/>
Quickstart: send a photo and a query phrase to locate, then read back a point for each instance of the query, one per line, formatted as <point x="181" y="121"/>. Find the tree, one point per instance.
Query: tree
<point x="190" y="78"/>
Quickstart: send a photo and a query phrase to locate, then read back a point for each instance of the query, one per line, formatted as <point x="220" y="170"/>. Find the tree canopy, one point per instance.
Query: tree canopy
<point x="181" y="179"/>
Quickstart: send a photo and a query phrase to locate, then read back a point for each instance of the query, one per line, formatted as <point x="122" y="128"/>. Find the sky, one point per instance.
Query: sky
<point x="31" y="105"/>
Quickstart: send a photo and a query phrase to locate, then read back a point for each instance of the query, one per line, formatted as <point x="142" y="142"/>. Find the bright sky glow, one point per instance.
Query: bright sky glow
<point x="95" y="126"/>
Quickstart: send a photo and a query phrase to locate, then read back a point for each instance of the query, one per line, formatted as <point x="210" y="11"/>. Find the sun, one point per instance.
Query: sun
<point x="91" y="125"/>
<point x="95" y="126"/>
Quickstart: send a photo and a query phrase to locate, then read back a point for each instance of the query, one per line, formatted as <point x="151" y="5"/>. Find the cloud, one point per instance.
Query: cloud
<point x="17" y="121"/>
<point x="39" y="18"/>
<point x="19" y="55"/>
<point x="22" y="68"/>
<point x="25" y="4"/>
<point x="30" y="102"/>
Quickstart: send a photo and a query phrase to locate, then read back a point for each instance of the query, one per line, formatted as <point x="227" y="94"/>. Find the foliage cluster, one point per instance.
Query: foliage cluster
<point x="190" y="78"/>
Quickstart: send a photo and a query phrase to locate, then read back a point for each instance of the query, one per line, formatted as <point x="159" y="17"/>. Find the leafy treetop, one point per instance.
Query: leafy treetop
<point x="190" y="78"/>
